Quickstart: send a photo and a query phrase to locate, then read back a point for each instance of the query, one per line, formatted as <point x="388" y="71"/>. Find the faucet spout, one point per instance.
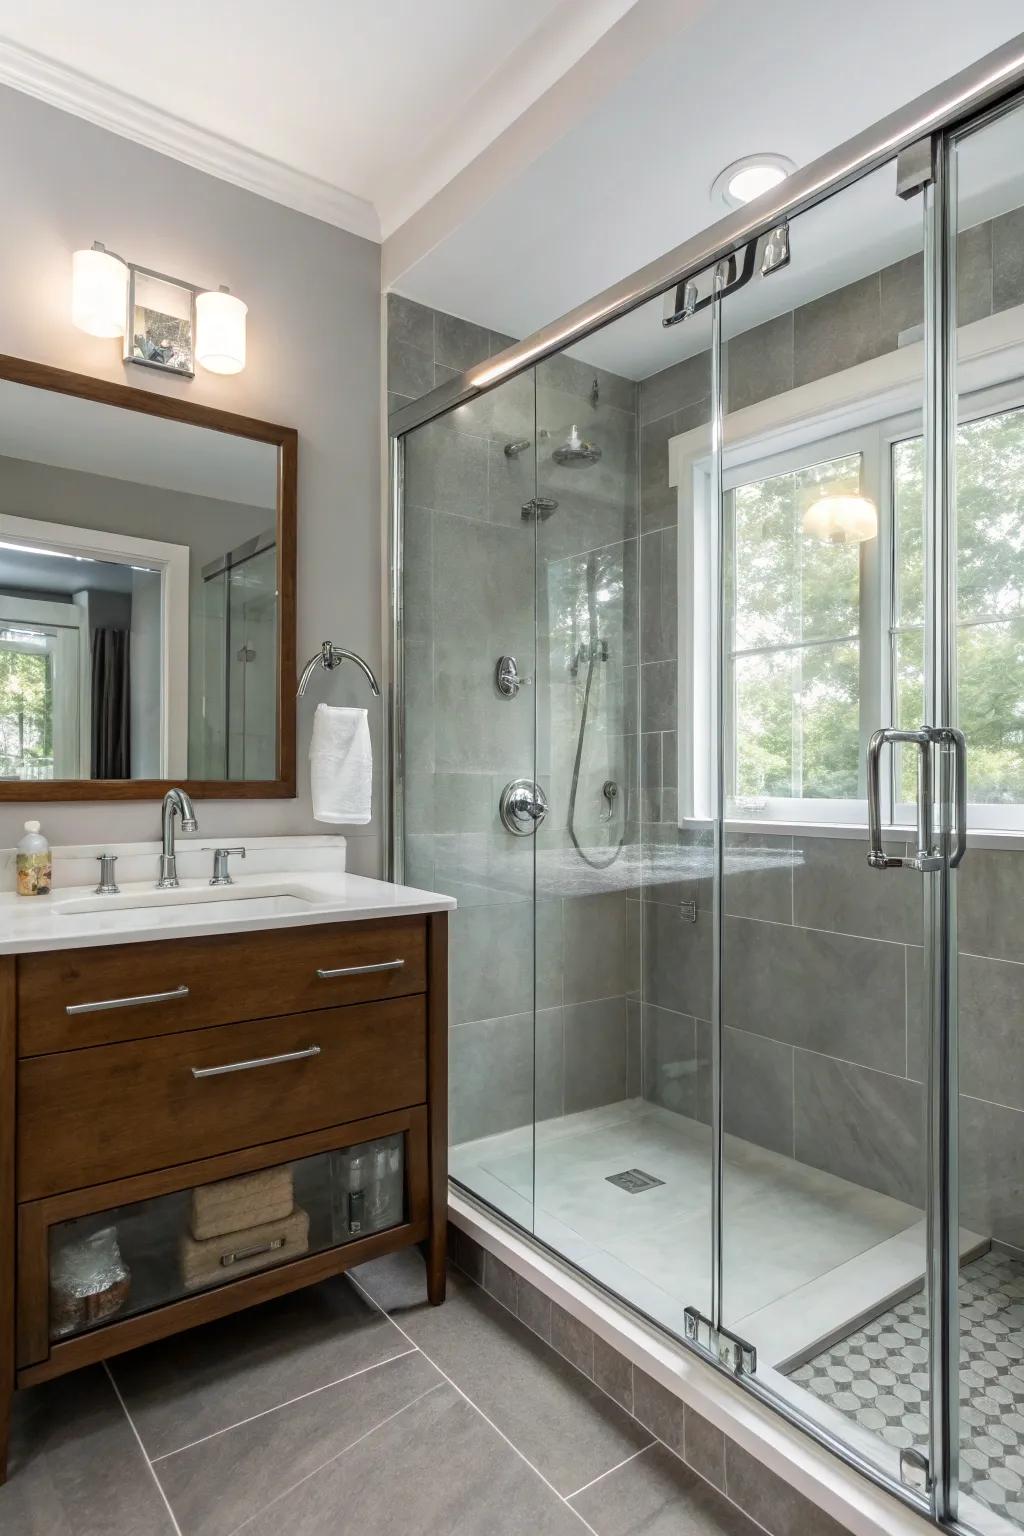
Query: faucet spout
<point x="176" y="803"/>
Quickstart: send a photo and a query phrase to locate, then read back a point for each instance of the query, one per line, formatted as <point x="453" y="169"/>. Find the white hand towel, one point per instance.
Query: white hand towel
<point x="341" y="765"/>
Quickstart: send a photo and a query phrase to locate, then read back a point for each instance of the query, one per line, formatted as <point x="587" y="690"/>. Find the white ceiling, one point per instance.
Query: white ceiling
<point x="632" y="179"/>
<point x="356" y="111"/>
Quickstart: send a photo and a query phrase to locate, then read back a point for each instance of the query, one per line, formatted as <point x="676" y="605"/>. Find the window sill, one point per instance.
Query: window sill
<point x="985" y="837"/>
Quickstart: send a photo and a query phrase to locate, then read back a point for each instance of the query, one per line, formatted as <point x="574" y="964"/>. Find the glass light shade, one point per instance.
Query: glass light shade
<point x="99" y="293"/>
<point x="842" y="519"/>
<point x="220" y="332"/>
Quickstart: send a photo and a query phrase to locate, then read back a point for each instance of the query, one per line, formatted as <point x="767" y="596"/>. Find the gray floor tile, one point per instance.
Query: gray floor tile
<point x="437" y="1467"/>
<point x="201" y="1381"/>
<point x="217" y="1485"/>
<point x="75" y="1467"/>
<point x="773" y="1503"/>
<point x="563" y="1424"/>
<point x="656" y="1495"/>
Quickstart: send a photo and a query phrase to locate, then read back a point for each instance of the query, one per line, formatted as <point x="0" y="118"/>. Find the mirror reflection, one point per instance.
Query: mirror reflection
<point x="138" y="595"/>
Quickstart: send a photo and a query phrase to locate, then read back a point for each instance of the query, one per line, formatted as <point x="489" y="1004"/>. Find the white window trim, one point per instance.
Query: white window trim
<point x="171" y="561"/>
<point x="879" y="402"/>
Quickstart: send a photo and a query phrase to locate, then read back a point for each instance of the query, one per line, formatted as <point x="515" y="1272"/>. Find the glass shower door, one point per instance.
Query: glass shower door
<point x="467" y="757"/>
<point x="820" y="1016"/>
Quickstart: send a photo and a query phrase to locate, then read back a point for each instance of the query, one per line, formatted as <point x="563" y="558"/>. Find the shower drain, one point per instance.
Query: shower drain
<point x="634" y="1181"/>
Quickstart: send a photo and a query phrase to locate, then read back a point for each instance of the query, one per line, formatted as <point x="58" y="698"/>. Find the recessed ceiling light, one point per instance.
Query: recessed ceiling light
<point x="746" y="179"/>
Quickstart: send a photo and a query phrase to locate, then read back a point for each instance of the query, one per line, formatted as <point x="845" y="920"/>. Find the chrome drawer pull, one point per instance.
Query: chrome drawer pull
<point x="361" y="970"/>
<point x="128" y="1002"/>
<point x="259" y="1061"/>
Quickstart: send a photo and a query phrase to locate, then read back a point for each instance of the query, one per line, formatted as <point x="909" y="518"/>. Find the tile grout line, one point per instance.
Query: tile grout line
<point x="476" y="1408"/>
<point x="618" y="1465"/>
<point x="142" y="1448"/>
<point x="257" y="1514"/>
<point x="288" y="1403"/>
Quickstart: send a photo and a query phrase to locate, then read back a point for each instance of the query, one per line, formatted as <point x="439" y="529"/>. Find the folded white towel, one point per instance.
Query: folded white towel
<point x="341" y="765"/>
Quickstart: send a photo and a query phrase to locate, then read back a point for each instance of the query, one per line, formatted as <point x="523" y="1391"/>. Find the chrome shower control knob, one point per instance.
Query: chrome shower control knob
<point x="522" y="807"/>
<point x="507" y="677"/>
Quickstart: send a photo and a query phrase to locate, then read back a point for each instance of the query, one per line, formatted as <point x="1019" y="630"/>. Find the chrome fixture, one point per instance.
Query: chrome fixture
<point x="775" y="251"/>
<point x="256" y="1061"/>
<point x="176" y="803"/>
<point x="507" y="678"/>
<point x="221" y="874"/>
<point x="609" y="790"/>
<point x="516" y="447"/>
<point x="108" y="885"/>
<point x="330" y="656"/>
<point x="522" y="807"/>
<point x="970" y="91"/>
<point x="174" y="994"/>
<point x="597" y="650"/>
<point x="929" y="855"/>
<point x="575" y="450"/>
<point x="539" y="509"/>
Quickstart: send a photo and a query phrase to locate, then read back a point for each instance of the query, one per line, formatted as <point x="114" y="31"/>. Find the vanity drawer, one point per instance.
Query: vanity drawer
<point x="86" y="1117"/>
<point x="186" y="984"/>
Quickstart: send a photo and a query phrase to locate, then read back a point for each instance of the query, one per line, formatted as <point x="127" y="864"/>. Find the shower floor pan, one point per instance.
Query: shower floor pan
<point x="807" y="1256"/>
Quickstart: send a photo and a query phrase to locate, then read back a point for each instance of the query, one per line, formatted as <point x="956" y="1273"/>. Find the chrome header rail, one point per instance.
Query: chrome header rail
<point x="979" y="86"/>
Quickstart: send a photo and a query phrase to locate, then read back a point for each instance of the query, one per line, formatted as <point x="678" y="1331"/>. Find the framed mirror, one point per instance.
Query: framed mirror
<point x="147" y="594"/>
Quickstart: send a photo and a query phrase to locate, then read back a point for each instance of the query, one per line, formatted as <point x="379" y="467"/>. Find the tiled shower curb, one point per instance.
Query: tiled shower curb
<point x="740" y="1447"/>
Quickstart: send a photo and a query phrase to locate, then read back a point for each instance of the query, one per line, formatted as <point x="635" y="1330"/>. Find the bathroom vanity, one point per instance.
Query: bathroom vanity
<point x="154" y="1044"/>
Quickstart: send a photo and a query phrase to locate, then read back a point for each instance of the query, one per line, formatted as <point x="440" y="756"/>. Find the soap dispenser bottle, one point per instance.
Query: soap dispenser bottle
<point x="35" y="866"/>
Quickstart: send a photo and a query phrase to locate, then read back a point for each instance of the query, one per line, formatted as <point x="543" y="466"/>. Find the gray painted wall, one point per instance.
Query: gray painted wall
<point x="313" y="363"/>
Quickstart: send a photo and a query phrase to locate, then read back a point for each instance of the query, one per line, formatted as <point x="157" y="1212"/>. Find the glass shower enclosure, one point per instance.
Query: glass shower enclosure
<point x="709" y="690"/>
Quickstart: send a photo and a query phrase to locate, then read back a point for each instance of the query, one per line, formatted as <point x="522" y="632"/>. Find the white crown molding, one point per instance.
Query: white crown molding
<point x="126" y="115"/>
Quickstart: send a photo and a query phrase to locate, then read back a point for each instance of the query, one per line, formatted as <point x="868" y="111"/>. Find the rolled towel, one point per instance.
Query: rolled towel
<point x="341" y="765"/>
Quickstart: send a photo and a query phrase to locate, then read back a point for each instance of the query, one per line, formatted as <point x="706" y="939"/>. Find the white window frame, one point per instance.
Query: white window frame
<point x="865" y="409"/>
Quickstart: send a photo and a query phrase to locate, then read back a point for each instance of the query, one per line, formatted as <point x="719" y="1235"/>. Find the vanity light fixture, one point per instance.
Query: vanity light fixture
<point x="166" y="323"/>
<point x="845" y="519"/>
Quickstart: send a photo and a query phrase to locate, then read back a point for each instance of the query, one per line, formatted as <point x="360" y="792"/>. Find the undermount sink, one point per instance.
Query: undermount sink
<point x="286" y="895"/>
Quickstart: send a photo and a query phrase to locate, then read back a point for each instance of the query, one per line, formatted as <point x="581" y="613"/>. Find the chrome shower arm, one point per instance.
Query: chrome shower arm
<point x="330" y="656"/>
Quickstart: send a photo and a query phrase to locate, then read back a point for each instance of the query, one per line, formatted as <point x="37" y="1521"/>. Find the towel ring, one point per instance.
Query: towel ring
<point x="330" y="656"/>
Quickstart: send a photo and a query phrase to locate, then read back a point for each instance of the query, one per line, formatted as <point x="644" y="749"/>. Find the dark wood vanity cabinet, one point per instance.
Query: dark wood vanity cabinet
<point x="319" y="1050"/>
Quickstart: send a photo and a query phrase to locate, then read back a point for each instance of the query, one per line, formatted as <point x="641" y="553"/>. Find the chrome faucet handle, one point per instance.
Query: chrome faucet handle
<point x="221" y="874"/>
<point x="108" y="885"/>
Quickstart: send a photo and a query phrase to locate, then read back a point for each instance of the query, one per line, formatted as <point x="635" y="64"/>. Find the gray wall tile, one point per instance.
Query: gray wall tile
<point x="838" y="330"/>
<point x="834" y="888"/>
<point x="902" y="296"/>
<point x="660" y="1411"/>
<point x="446" y="470"/>
<point x="992" y="1170"/>
<point x="679" y="385"/>
<point x="658" y="499"/>
<point x="489" y="970"/>
<point x="659" y="604"/>
<point x="774" y="1504"/>
<point x="490" y="1083"/>
<point x="991" y="1015"/>
<point x="670" y="1060"/>
<point x="501" y="1281"/>
<point x="759" y="362"/>
<point x="974" y="273"/>
<point x="677" y="960"/>
<point x="595" y="1053"/>
<point x="458" y="344"/>
<point x="705" y="1448"/>
<point x="595" y="947"/>
<point x="658" y="700"/>
<point x="990" y="897"/>
<point x="1008" y="260"/>
<point x="410" y="371"/>
<point x="757" y="1090"/>
<point x="573" y="1340"/>
<point x="613" y="1373"/>
<point x="823" y="991"/>
<point x="534" y="1309"/>
<point x="864" y="1126"/>
<point x="410" y="324"/>
<point x="765" y="893"/>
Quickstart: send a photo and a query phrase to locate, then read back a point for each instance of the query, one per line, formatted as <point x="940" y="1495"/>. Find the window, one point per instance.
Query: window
<point x="793" y="665"/>
<point x="989" y="603"/>
<point x="825" y="641"/>
<point x="26" y="706"/>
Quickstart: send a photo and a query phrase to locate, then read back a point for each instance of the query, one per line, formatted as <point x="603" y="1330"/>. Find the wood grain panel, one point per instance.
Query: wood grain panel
<point x="90" y="1116"/>
<point x="229" y="977"/>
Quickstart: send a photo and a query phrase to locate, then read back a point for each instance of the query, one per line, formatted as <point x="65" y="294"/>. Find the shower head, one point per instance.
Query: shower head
<point x="575" y="450"/>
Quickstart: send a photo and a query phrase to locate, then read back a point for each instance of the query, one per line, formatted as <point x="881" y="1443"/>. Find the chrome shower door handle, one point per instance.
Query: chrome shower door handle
<point x="929" y="856"/>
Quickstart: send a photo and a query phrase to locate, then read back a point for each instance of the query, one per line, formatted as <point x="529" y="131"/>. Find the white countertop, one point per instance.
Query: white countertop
<point x="270" y="899"/>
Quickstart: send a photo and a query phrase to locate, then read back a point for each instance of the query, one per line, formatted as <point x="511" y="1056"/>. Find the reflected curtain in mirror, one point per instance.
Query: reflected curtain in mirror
<point x="111" y="712"/>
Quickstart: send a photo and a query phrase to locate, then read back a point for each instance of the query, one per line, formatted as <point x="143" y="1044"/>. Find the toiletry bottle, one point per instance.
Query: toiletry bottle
<point x="357" y="1173"/>
<point x="35" y="868"/>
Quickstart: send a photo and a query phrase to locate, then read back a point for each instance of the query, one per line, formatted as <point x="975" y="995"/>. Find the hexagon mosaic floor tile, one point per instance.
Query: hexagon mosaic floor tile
<point x="879" y="1377"/>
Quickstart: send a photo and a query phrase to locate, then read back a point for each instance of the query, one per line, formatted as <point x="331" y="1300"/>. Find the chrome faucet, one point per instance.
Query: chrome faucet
<point x="176" y="802"/>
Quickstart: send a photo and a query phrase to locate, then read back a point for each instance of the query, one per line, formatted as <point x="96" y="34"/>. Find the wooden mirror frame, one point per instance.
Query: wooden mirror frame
<point x="17" y="370"/>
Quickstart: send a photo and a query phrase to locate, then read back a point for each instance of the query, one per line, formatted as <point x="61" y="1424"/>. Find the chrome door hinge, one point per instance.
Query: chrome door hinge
<point x="915" y="1471"/>
<point x="734" y="1353"/>
<point x="915" y="167"/>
